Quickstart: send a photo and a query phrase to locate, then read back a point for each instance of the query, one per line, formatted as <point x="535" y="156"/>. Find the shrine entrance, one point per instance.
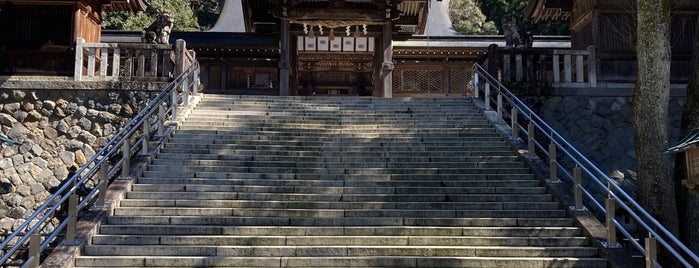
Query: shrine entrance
<point x="336" y="46"/>
<point x="338" y="66"/>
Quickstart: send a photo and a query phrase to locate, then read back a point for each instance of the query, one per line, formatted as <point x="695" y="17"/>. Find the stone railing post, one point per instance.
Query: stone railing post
<point x="553" y="168"/>
<point x="78" y="72"/>
<point x="514" y="126"/>
<point x="487" y="96"/>
<point x="180" y="50"/>
<point x="146" y="137"/>
<point x="577" y="192"/>
<point x="34" y="250"/>
<point x="104" y="183"/>
<point x="475" y="84"/>
<point x="499" y="107"/>
<point x="592" y="66"/>
<point x="651" y="251"/>
<point x="126" y="159"/>
<point x="530" y="139"/>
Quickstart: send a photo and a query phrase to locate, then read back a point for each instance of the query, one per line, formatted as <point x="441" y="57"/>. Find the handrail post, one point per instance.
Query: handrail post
<point x="34" y="250"/>
<point x="553" y="169"/>
<point x="161" y="119"/>
<point x="173" y="105"/>
<point x="195" y="83"/>
<point x="104" y="181"/>
<point x="475" y="84"/>
<point x="72" y="222"/>
<point x="78" y="72"/>
<point x="651" y="251"/>
<point x="126" y="159"/>
<point x="515" y="128"/>
<point x="146" y="136"/>
<point x="487" y="96"/>
<point x="610" y="206"/>
<point x="577" y="192"/>
<point x="530" y="139"/>
<point x="499" y="107"/>
<point x="185" y="91"/>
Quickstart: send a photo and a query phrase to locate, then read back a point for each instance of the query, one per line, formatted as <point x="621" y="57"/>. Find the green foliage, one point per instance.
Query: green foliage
<point x="495" y="9"/>
<point x="207" y="12"/>
<point x="467" y="18"/>
<point x="184" y="11"/>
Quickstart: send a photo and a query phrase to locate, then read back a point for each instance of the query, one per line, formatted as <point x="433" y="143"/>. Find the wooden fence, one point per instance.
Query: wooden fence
<point x="557" y="68"/>
<point x="130" y="62"/>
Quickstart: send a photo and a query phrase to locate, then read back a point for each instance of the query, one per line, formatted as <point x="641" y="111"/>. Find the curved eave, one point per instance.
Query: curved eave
<point x="534" y="9"/>
<point x="124" y="5"/>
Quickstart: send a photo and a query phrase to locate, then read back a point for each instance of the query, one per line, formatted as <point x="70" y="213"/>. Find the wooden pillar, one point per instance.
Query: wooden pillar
<point x="224" y="75"/>
<point x="387" y="65"/>
<point x="284" y="64"/>
<point x="445" y="79"/>
<point x="293" y="67"/>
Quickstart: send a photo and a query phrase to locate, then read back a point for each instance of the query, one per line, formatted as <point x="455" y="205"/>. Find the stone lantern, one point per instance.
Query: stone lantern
<point x="689" y="146"/>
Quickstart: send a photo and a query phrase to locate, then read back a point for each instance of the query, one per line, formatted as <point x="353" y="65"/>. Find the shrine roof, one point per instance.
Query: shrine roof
<point x="123" y="5"/>
<point x="408" y="14"/>
<point x="479" y="41"/>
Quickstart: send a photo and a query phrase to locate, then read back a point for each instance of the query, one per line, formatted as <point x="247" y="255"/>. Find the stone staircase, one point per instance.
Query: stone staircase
<point x="326" y="182"/>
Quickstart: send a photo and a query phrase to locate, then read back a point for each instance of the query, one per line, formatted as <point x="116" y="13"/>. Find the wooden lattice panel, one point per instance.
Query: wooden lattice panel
<point x="422" y="81"/>
<point x="255" y="78"/>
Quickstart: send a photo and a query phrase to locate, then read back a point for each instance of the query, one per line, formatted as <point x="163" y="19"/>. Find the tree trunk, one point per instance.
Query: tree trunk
<point x="656" y="187"/>
<point x="688" y="204"/>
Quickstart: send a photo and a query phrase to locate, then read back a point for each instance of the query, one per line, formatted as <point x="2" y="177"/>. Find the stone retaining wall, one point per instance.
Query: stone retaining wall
<point x="58" y="128"/>
<point x="602" y="129"/>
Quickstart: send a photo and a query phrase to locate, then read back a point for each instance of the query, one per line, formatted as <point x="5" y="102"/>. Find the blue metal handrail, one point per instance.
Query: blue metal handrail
<point x="594" y="175"/>
<point x="139" y="128"/>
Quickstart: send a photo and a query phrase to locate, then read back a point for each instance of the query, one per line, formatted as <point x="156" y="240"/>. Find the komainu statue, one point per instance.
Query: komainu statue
<point x="511" y="31"/>
<point x="159" y="31"/>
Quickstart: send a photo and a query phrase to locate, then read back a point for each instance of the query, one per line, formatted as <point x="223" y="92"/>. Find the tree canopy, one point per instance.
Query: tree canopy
<point x="189" y="15"/>
<point x="467" y="18"/>
<point x="485" y="17"/>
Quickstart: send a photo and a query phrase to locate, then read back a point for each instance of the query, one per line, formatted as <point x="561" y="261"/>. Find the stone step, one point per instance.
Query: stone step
<point x="159" y="164"/>
<point x="170" y="170"/>
<point x="334" y="213"/>
<point x="345" y="221"/>
<point x="262" y="231"/>
<point x="377" y="118"/>
<point x="388" y="155"/>
<point x="186" y="137"/>
<point x="355" y="261"/>
<point x="399" y="133"/>
<point x="341" y="144"/>
<point x="355" y="177"/>
<point x="342" y="183"/>
<point x="308" y="126"/>
<point x="324" y="131"/>
<point x="217" y="159"/>
<point x="520" y="187"/>
<point x="330" y="148"/>
<point x="440" y="197"/>
<point x="304" y="240"/>
<point x="255" y="181"/>
<point x="223" y="153"/>
<point x="338" y="251"/>
<point x="180" y="203"/>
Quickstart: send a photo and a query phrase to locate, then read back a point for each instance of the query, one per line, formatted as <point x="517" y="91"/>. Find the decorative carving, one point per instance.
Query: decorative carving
<point x="159" y="31"/>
